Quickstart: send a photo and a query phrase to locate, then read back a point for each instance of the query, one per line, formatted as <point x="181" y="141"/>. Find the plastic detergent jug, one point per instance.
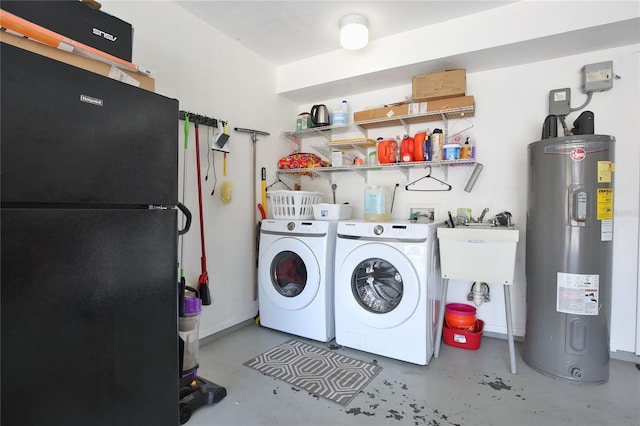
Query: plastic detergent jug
<point x="387" y="151"/>
<point x="340" y="113"/>
<point x="406" y="149"/>
<point x="377" y="203"/>
<point x="418" y="145"/>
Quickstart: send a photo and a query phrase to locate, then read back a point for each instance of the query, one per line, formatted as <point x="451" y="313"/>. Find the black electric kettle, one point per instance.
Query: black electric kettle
<point x="320" y="115"/>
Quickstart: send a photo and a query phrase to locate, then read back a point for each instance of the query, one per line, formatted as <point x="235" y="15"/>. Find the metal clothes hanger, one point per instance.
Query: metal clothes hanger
<point x="428" y="176"/>
<point x="277" y="182"/>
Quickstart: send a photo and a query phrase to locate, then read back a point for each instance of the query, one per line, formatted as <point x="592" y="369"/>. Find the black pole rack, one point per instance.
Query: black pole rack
<point x="198" y="119"/>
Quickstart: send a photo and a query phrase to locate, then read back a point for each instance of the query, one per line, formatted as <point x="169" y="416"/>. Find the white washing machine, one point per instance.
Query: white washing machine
<point x="295" y="277"/>
<point x="388" y="287"/>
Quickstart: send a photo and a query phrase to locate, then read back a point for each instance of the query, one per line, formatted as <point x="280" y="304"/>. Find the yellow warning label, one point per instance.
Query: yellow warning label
<point x="605" y="204"/>
<point x="605" y="168"/>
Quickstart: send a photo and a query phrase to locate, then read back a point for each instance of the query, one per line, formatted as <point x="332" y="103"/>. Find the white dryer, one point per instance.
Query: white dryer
<point x="295" y="277"/>
<point x="388" y="286"/>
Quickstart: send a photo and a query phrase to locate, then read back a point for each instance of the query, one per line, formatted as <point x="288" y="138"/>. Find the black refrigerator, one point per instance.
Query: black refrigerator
<point x="89" y="185"/>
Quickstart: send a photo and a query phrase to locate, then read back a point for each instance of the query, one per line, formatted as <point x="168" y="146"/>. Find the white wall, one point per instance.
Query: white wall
<point x="511" y="104"/>
<point x="212" y="75"/>
<point x="215" y="76"/>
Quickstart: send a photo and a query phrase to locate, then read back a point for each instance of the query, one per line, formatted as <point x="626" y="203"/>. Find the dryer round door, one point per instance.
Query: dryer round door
<point x="378" y="285"/>
<point x="289" y="273"/>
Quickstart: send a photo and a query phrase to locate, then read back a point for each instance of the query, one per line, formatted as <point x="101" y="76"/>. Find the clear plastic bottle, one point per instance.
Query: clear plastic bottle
<point x="340" y="113"/>
<point x="377" y="203"/>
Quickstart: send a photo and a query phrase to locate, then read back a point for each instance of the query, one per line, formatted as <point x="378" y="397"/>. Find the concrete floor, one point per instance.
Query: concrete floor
<point x="462" y="387"/>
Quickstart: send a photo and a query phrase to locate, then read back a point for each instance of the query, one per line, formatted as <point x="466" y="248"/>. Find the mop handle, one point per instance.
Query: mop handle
<point x="204" y="264"/>
<point x="184" y="188"/>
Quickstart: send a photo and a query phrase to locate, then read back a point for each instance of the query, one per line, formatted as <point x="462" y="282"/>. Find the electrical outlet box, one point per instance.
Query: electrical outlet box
<point x="598" y="77"/>
<point x="560" y="102"/>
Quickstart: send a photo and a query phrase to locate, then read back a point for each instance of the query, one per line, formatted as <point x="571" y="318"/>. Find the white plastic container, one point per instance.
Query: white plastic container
<point x="377" y="203"/>
<point x="340" y="113"/>
<point x="327" y="211"/>
<point x="451" y="151"/>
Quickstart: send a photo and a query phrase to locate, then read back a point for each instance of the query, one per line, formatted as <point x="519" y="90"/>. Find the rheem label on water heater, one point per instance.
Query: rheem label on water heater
<point x="577" y="293"/>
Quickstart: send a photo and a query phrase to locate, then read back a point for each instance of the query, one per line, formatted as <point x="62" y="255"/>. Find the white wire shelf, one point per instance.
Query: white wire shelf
<point x="363" y="169"/>
<point x="404" y="120"/>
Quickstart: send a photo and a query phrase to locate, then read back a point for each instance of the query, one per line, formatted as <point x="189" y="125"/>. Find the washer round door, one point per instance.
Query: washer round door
<point x="289" y="273"/>
<point x="378" y="285"/>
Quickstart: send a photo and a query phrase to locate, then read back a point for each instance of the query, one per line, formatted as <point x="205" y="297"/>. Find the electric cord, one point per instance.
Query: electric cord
<point x="393" y="197"/>
<point x="211" y="163"/>
<point x="589" y="95"/>
<point x="215" y="175"/>
<point x="206" y="175"/>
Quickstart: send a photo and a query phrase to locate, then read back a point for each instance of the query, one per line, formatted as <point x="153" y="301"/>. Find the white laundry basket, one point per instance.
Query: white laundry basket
<point x="294" y="204"/>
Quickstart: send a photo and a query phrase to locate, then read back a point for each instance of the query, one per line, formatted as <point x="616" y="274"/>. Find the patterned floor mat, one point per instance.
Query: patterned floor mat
<point x="328" y="374"/>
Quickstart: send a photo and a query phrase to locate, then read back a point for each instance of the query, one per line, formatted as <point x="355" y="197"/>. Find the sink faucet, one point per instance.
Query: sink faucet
<point x="481" y="218"/>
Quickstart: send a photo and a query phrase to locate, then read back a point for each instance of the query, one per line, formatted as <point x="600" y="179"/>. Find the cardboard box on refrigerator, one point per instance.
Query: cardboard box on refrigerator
<point x="135" y="79"/>
<point x="439" y="85"/>
<point x="78" y="21"/>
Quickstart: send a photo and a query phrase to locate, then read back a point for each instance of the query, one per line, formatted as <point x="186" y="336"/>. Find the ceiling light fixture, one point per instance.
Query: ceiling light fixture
<point x="354" y="33"/>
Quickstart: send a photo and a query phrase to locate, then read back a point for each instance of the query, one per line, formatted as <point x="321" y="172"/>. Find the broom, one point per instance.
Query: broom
<point x="203" y="280"/>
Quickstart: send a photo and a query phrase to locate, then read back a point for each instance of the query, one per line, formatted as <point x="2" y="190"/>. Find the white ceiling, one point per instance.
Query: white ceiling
<point x="298" y="36"/>
<point x="283" y="32"/>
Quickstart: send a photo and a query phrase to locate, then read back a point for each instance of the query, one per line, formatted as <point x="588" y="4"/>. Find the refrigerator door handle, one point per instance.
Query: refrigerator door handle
<point x="187" y="213"/>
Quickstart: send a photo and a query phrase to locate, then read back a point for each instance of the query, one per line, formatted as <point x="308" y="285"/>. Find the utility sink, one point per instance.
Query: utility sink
<point x="482" y="254"/>
<point x="479" y="252"/>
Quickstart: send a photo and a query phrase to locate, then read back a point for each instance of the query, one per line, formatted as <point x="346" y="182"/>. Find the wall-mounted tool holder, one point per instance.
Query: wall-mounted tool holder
<point x="203" y="120"/>
<point x="198" y="118"/>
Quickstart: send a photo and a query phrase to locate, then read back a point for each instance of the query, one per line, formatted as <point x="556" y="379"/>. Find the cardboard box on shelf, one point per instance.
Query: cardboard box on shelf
<point x="439" y="85"/>
<point x="413" y="108"/>
<point x="80" y="61"/>
<point x="384" y="112"/>
<point x="450" y="103"/>
<point x="418" y="107"/>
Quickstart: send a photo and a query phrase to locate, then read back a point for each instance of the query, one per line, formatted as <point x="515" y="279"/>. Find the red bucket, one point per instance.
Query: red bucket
<point x="463" y="338"/>
<point x="460" y="316"/>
